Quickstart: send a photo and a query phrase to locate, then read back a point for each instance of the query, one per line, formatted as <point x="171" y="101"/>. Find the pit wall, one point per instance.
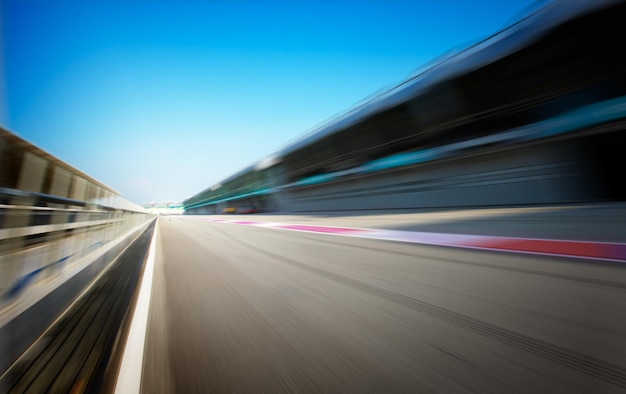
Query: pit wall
<point x="59" y="230"/>
<point x="534" y="174"/>
<point x="39" y="282"/>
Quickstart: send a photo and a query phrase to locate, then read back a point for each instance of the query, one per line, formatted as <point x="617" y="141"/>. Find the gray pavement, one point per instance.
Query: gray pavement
<point x="257" y="310"/>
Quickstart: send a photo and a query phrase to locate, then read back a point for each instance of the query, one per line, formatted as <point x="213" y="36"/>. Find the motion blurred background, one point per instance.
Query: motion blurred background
<point x="312" y="197"/>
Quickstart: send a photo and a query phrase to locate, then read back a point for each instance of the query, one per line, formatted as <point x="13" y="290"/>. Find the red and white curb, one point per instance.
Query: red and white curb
<point x="550" y="247"/>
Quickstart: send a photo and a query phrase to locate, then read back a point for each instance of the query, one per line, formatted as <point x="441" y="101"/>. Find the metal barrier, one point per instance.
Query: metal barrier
<point x="38" y="244"/>
<point x="60" y="229"/>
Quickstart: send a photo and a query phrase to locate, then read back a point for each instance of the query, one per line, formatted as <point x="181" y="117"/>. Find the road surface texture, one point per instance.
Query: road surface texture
<point x="249" y="309"/>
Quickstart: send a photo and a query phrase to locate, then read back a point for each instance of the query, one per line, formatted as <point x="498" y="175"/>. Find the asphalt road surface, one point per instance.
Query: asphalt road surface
<point x="244" y="309"/>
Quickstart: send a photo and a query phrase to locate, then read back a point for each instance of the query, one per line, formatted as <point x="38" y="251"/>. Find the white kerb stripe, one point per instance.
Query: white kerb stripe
<point x="129" y="377"/>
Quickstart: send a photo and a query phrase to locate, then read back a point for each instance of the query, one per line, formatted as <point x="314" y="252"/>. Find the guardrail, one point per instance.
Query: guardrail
<point x="48" y="257"/>
<point x="60" y="229"/>
<point x="37" y="244"/>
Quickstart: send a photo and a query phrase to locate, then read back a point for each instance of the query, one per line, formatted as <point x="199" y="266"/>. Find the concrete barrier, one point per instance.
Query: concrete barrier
<point x="27" y="315"/>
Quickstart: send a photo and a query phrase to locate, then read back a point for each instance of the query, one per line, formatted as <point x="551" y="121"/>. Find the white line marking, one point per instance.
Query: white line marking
<point x="129" y="377"/>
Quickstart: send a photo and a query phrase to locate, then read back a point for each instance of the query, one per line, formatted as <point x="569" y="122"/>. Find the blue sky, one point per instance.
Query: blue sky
<point x="162" y="99"/>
